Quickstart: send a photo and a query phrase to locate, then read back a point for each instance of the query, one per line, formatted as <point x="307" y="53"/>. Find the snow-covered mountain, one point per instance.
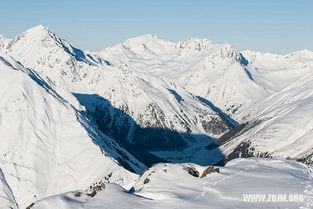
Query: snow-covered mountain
<point x="216" y="72"/>
<point x="70" y="118"/>
<point x="46" y="145"/>
<point x="270" y="93"/>
<point x="40" y="49"/>
<point x="281" y="123"/>
<point x="135" y="108"/>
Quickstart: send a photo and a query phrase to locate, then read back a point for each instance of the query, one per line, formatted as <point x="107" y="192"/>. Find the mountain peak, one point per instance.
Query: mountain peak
<point x="143" y="39"/>
<point x="40" y="31"/>
<point x="198" y="40"/>
<point x="40" y="35"/>
<point x="147" y="43"/>
<point x="195" y="43"/>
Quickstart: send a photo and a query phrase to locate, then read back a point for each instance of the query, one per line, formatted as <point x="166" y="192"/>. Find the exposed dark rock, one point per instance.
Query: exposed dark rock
<point x="226" y="122"/>
<point x="92" y="194"/>
<point x="237" y="131"/>
<point x="245" y="150"/>
<point x="214" y="126"/>
<point x="147" y="180"/>
<point x="192" y="171"/>
<point x="98" y="188"/>
<point x="207" y="171"/>
<point x="30" y="206"/>
<point x="308" y="159"/>
<point x="78" y="194"/>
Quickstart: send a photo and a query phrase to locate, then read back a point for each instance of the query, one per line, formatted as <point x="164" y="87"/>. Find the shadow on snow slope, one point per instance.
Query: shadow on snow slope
<point x="105" y="120"/>
<point x="141" y="141"/>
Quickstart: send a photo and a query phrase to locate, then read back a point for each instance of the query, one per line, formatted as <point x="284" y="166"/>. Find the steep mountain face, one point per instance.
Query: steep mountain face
<point x="215" y="72"/>
<point x="136" y="108"/>
<point x="40" y="49"/>
<point x="46" y="145"/>
<point x="74" y="118"/>
<point x="284" y="119"/>
<point x="276" y="72"/>
<point x="271" y="93"/>
<point x="172" y="99"/>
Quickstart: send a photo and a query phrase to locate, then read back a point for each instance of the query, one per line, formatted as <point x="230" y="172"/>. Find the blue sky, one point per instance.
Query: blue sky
<point x="278" y="26"/>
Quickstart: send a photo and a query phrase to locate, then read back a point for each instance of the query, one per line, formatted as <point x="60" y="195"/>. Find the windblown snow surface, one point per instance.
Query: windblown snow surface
<point x="171" y="186"/>
<point x="74" y="121"/>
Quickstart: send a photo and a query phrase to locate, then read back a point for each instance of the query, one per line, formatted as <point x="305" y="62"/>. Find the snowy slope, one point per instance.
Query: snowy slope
<point x="215" y="72"/>
<point x="6" y="195"/>
<point x="248" y="86"/>
<point x="135" y="108"/>
<point x="276" y="72"/>
<point x="171" y="186"/>
<point x="46" y="145"/>
<point x="73" y="118"/>
<point x="287" y="125"/>
<point x="40" y="49"/>
<point x="168" y="97"/>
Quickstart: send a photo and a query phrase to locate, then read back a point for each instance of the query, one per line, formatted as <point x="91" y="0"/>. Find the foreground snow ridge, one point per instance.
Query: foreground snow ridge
<point x="149" y="123"/>
<point x="171" y="186"/>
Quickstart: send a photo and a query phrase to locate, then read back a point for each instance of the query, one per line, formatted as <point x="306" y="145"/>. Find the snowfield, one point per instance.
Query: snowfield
<point x="171" y="186"/>
<point x="285" y="127"/>
<point x="45" y="147"/>
<point x="77" y="128"/>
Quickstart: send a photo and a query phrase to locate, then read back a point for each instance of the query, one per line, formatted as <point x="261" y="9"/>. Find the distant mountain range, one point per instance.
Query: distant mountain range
<point x="70" y="118"/>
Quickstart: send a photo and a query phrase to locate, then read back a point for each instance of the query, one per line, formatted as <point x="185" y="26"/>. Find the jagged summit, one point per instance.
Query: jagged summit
<point x="36" y="37"/>
<point x="38" y="32"/>
<point x="152" y="47"/>
<point x="42" y="31"/>
<point x="152" y="41"/>
<point x="41" y="49"/>
<point x="193" y="101"/>
<point x="34" y="34"/>
<point x="195" y="43"/>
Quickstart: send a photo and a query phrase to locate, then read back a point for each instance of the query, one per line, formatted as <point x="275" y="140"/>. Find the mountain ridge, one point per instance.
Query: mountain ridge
<point x="154" y="36"/>
<point x="142" y="102"/>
